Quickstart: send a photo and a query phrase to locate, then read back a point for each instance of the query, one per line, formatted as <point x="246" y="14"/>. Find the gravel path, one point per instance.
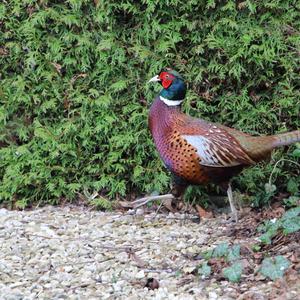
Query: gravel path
<point x="74" y="253"/>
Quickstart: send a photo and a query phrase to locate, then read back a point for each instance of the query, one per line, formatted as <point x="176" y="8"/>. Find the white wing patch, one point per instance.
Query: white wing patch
<point x="212" y="153"/>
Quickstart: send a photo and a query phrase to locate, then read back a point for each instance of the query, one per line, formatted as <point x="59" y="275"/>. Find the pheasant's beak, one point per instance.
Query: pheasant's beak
<point x="154" y="79"/>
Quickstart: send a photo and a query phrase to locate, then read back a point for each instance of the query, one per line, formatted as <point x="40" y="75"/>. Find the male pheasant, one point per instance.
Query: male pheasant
<point x="197" y="151"/>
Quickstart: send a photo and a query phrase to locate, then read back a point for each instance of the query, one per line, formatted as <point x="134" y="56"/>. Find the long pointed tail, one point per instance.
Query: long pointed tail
<point x="284" y="139"/>
<point x="260" y="147"/>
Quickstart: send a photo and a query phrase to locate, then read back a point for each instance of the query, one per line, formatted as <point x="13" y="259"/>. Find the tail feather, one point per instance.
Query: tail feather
<point x="260" y="147"/>
<point x="284" y="139"/>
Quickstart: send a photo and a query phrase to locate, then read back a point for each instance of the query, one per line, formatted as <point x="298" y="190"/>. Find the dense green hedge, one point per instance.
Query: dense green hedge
<point x="74" y="97"/>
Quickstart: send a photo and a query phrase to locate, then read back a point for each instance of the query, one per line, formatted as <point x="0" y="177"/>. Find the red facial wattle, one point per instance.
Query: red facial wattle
<point x="166" y="79"/>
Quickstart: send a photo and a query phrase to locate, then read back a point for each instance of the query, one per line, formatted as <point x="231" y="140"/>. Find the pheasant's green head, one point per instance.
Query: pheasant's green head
<point x="174" y="88"/>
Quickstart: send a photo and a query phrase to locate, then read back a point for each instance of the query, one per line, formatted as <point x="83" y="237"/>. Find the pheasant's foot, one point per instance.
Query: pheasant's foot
<point x="142" y="201"/>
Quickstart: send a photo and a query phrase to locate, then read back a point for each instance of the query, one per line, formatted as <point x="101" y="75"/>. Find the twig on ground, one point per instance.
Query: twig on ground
<point x="160" y="205"/>
<point x="83" y="262"/>
<point x="142" y="201"/>
<point x="132" y="255"/>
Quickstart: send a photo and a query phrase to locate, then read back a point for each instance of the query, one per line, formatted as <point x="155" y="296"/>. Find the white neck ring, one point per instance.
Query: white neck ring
<point x="170" y="102"/>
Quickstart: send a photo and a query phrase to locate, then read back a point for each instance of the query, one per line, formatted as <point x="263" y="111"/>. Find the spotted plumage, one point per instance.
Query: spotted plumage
<point x="197" y="151"/>
<point x="190" y="147"/>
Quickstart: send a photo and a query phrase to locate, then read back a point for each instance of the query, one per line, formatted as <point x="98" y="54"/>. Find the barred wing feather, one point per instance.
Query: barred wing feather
<point x="218" y="150"/>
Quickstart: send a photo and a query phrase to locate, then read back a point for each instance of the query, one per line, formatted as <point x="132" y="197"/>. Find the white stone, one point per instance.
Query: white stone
<point x="140" y="275"/>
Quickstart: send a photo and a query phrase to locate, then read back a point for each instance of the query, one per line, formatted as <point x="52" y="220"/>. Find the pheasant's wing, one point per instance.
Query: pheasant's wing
<point x="215" y="146"/>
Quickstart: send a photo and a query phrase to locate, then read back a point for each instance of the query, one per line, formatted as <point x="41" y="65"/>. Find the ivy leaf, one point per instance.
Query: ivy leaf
<point x="205" y="270"/>
<point x="234" y="253"/>
<point x="234" y="272"/>
<point x="274" y="269"/>
<point x="221" y="250"/>
<point x="291" y="213"/>
<point x="208" y="254"/>
<point x="292" y="186"/>
<point x="270" y="188"/>
<point x="291" y="201"/>
<point x="291" y="225"/>
<point x="266" y="238"/>
<point x="296" y="153"/>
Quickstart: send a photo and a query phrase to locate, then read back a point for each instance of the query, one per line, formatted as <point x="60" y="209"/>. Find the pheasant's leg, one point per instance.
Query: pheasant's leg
<point x="232" y="207"/>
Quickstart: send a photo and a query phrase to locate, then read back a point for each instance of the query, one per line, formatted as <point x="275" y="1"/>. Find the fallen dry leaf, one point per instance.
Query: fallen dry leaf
<point x="203" y="213"/>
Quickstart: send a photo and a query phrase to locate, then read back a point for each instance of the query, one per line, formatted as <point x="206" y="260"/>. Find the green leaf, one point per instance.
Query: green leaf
<point x="291" y="201"/>
<point x="291" y="213"/>
<point x="234" y="253"/>
<point x="221" y="250"/>
<point x="293" y="186"/>
<point x="252" y="6"/>
<point x="274" y="268"/>
<point x="2" y="11"/>
<point x="270" y="188"/>
<point x="208" y="254"/>
<point x="291" y="225"/>
<point x="234" y="272"/>
<point x="256" y="247"/>
<point x="296" y="153"/>
<point x="204" y="270"/>
<point x="119" y="85"/>
<point x="178" y="273"/>
<point x="266" y="238"/>
<point x="102" y="203"/>
<point x="211" y="4"/>
<point x="43" y="134"/>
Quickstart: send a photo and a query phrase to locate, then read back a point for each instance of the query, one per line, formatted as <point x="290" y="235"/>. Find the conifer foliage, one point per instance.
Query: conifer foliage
<point x="74" y="98"/>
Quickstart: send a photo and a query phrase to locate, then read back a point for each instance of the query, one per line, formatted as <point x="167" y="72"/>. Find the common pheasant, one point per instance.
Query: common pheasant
<point x="198" y="151"/>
